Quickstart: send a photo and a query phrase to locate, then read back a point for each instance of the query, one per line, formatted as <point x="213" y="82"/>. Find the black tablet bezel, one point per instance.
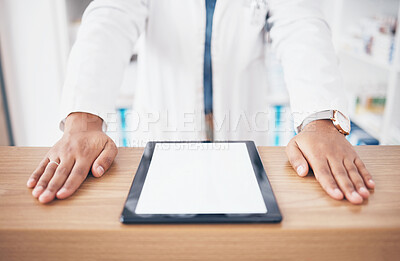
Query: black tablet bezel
<point x="273" y="213"/>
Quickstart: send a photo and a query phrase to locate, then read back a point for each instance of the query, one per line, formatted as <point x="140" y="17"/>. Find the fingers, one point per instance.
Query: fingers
<point x="345" y="183"/>
<point x="58" y="179"/>
<point x="105" y="159"/>
<point x="364" y="173"/>
<point x="45" y="178"/>
<point x="336" y="164"/>
<point x="75" y="152"/>
<point x="296" y="159"/>
<point x="78" y="175"/>
<point x="324" y="176"/>
<point x="356" y="178"/>
<point x="33" y="179"/>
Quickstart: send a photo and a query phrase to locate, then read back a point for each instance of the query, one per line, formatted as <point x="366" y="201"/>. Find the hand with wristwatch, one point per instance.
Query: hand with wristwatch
<point x="321" y="145"/>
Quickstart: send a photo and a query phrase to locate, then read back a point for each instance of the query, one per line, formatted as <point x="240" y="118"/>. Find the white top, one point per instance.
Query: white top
<point x="168" y="99"/>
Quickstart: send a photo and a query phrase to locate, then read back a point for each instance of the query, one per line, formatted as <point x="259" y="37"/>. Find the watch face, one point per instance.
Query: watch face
<point x="342" y="121"/>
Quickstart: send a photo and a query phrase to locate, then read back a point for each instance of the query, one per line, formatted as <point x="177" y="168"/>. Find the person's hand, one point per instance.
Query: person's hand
<point x="335" y="164"/>
<point x="83" y="147"/>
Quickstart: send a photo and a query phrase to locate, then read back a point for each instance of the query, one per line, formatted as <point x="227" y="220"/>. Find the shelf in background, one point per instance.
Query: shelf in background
<point x="369" y="60"/>
<point x="370" y="123"/>
<point x="394" y="136"/>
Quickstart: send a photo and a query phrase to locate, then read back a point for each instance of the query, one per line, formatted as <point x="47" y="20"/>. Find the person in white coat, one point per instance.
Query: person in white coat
<point x="202" y="76"/>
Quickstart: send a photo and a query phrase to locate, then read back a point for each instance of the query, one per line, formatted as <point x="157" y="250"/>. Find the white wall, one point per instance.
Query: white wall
<point x="33" y="65"/>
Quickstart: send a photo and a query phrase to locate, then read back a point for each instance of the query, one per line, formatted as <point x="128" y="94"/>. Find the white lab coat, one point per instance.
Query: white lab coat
<point x="168" y="99"/>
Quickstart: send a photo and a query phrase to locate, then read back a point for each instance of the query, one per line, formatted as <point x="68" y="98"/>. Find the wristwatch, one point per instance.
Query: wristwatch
<point x="339" y="120"/>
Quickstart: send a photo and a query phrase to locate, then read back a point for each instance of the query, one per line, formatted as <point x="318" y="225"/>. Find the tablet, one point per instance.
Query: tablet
<point x="201" y="182"/>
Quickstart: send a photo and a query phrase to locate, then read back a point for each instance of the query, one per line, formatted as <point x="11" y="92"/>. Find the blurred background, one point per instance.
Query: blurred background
<point x="37" y="35"/>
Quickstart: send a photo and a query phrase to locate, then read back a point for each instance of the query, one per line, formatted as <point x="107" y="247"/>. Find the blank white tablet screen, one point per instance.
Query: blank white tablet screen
<point x="200" y="178"/>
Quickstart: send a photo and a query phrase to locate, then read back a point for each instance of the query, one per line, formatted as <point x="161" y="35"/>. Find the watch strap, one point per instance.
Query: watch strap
<point x="321" y="115"/>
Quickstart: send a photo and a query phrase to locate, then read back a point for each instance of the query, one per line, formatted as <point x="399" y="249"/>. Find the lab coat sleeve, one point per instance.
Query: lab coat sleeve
<point x="302" y="41"/>
<point x="100" y="55"/>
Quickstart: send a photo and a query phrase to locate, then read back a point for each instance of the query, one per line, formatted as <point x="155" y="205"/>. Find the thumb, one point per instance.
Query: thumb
<point x="105" y="159"/>
<point x="297" y="159"/>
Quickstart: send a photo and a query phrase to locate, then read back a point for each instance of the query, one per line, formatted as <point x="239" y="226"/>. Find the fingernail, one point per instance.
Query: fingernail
<point x="61" y="191"/>
<point x="356" y="196"/>
<point x="364" y="190"/>
<point x="371" y="182"/>
<point x="337" y="193"/>
<point x="36" y="192"/>
<point x="30" y="182"/>
<point x="100" y="170"/>
<point x="300" y="170"/>
<point x="44" y="195"/>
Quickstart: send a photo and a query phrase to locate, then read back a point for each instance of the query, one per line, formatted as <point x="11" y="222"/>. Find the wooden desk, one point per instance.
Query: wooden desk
<point x="87" y="227"/>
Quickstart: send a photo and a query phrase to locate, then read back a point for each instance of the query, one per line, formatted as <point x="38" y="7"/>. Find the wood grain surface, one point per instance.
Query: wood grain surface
<point x="86" y="226"/>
